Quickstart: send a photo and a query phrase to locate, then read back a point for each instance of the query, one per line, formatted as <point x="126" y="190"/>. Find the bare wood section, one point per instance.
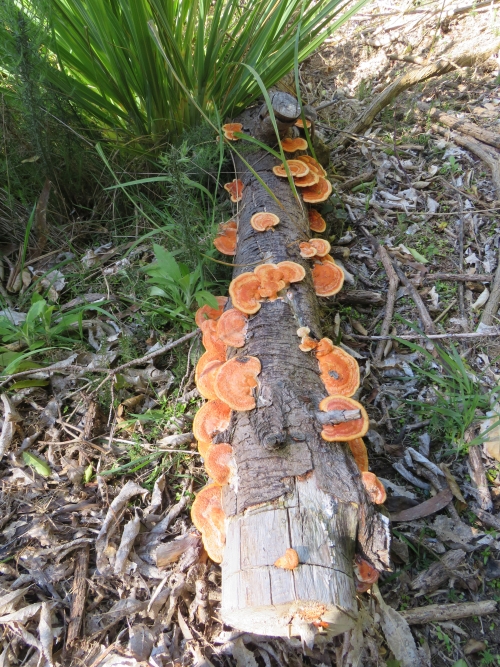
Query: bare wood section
<point x="261" y="598"/>
<point x="467" y="58"/>
<point x="448" y="612"/>
<point x="79" y="595"/>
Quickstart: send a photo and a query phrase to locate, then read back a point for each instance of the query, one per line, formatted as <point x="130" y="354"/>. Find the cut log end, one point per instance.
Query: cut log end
<point x="261" y="598"/>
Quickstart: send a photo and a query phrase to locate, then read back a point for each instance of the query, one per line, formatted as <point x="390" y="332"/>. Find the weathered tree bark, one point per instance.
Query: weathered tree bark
<point x="293" y="490"/>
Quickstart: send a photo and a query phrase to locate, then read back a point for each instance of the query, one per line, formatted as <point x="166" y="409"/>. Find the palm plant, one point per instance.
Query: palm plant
<point x="106" y="61"/>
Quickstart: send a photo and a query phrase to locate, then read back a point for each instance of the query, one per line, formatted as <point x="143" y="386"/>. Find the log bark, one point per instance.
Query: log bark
<point x="293" y="490"/>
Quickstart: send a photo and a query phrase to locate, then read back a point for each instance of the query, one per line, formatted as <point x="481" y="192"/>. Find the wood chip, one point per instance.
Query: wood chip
<point x="426" y="508"/>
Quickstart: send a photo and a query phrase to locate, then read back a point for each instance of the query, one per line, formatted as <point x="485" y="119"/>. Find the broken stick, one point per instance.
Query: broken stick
<point x="79" y="595"/>
<point x="434" y="613"/>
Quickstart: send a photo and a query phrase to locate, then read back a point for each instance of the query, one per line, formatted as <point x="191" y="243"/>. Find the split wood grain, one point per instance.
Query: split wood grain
<point x="79" y="595"/>
<point x="435" y="613"/>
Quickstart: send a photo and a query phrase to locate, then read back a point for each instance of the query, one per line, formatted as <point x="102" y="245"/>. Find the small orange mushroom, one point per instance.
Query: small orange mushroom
<point x="316" y="221"/>
<point x="345" y="431"/>
<point x="289" y="560"/>
<point x="205" y="381"/>
<point x="211" y="419"/>
<point x="292" y="145"/>
<point x="358" y="450"/>
<point x="208" y="313"/>
<point x="225" y="241"/>
<point x="244" y="293"/>
<point x="218" y="463"/>
<point x="269" y="290"/>
<point x="364" y="571"/>
<point x="328" y="258"/>
<point x="313" y="165"/>
<point x="232" y="327"/>
<point x="322" y="246"/>
<point x="325" y="346"/>
<point x="230" y="128"/>
<point x="300" y="123"/>
<point x="209" y="517"/>
<point x="205" y="359"/>
<point x="296" y="167"/>
<point x="307" y="344"/>
<point x="235" y="189"/>
<point x="291" y="272"/>
<point x="263" y="221"/>
<point x="307" y="250"/>
<point x="236" y="380"/>
<point x="317" y="193"/>
<point x="374" y="488"/>
<point x="339" y="372"/>
<point x="328" y="278"/>
<point x="307" y="181"/>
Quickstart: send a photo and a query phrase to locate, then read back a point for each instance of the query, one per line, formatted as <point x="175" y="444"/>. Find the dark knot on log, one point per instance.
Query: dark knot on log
<point x="272" y="441"/>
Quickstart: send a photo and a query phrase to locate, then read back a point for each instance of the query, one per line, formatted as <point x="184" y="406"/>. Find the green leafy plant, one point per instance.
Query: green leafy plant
<point x="457" y="394"/>
<point x="178" y="287"/>
<point x="104" y="59"/>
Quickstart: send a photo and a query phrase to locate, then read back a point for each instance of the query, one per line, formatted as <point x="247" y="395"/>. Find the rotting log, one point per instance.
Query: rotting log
<point x="292" y="489"/>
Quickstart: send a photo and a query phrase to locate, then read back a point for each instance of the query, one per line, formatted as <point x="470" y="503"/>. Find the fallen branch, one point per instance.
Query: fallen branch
<point x="391" y="299"/>
<point x="447" y="612"/>
<point x="351" y="183"/>
<point x="478" y="476"/>
<point x="427" y="322"/>
<point x="458" y="277"/>
<point x="465" y="127"/>
<point x="360" y="296"/>
<point x="79" y="595"/>
<point x="485" y="153"/>
<point x="110" y="371"/>
<point x="476" y="334"/>
<point x="477" y="55"/>
<point x="491" y="308"/>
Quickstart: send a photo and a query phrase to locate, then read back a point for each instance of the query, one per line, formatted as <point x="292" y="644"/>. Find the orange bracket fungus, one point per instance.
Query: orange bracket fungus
<point x="292" y="145"/>
<point x="300" y="123"/>
<point x="218" y="463"/>
<point x="236" y="380"/>
<point x="317" y="193"/>
<point x="348" y="430"/>
<point x="364" y="571"/>
<point x="263" y="221"/>
<point x="209" y="517"/>
<point x="225" y="241"/>
<point x="289" y="560"/>
<point x="248" y="289"/>
<point x="211" y="419"/>
<point x="297" y="169"/>
<point x="244" y="292"/>
<point x="374" y="488"/>
<point x="307" y="250"/>
<point x="232" y="327"/>
<point x="328" y="278"/>
<point x="316" y="221"/>
<point x="325" y="346"/>
<point x="208" y="313"/>
<point x="235" y="189"/>
<point x="230" y="128"/>
<point x="322" y="246"/>
<point x="211" y="342"/>
<point x="358" y="450"/>
<point x="306" y="181"/>
<point x="291" y="272"/>
<point x="306" y="342"/>
<point x="339" y="372"/>
<point x="205" y="380"/>
<point x="313" y="165"/>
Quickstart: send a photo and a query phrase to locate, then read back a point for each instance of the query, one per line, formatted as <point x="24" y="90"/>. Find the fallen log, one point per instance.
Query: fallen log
<point x="296" y="509"/>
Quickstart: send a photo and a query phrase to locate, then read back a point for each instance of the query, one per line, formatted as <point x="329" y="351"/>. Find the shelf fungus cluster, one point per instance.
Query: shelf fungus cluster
<point x="266" y="281"/>
<point x="227" y="384"/>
